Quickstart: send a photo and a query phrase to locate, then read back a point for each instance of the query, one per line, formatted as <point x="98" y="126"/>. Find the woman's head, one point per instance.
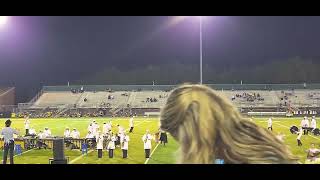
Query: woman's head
<point x="208" y="127"/>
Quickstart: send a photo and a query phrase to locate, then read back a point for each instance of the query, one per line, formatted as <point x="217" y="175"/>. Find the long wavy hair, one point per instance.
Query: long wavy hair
<point x="208" y="127"/>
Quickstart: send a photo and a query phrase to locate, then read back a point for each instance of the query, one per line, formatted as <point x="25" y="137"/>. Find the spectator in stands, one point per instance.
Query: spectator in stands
<point x="208" y="127"/>
<point x="81" y="89"/>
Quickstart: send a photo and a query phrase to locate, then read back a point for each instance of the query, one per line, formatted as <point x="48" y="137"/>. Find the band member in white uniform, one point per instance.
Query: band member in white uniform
<point x="305" y="125"/>
<point x="67" y="133"/>
<point x="90" y="128"/>
<point x="131" y="124"/>
<point x="270" y="123"/>
<point x="32" y="132"/>
<point x="27" y="125"/>
<point x="147" y="143"/>
<point x="75" y="134"/>
<point x="313" y="123"/>
<point x="99" y="140"/>
<point x="105" y="128"/>
<point x="89" y="135"/>
<point x="47" y="132"/>
<point x="111" y="145"/>
<point x="120" y="135"/>
<point x="124" y="145"/>
<point x="299" y="137"/>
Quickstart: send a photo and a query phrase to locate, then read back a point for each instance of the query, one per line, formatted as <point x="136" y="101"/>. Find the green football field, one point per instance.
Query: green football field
<point x="160" y="154"/>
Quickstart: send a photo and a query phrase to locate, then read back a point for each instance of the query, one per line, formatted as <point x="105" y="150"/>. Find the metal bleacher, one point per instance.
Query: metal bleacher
<point x="135" y="96"/>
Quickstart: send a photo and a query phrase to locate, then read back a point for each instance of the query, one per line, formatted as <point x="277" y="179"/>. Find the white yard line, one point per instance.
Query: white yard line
<point x="23" y="152"/>
<point x="80" y="157"/>
<point x="146" y="162"/>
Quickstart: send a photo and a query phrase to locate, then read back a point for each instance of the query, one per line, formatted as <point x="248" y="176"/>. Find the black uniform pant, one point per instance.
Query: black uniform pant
<point x="299" y="142"/>
<point x="270" y="128"/>
<point x="99" y="153"/>
<point x="124" y="153"/>
<point x="147" y="152"/>
<point x="27" y="131"/>
<point x="110" y="153"/>
<point x="8" y="147"/>
<point x="131" y="129"/>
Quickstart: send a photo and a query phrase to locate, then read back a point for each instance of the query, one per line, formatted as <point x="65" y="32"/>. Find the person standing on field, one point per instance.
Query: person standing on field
<point x="7" y="134"/>
<point x="27" y="125"/>
<point x="147" y="143"/>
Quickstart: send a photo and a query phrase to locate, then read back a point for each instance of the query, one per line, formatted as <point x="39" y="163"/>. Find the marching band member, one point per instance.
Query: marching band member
<point x="105" y="128"/>
<point x="305" y="125"/>
<point x="89" y="135"/>
<point x="75" y="134"/>
<point x="299" y="137"/>
<point x="125" y="143"/>
<point x="32" y="132"/>
<point x="99" y="140"/>
<point x="47" y="132"/>
<point x="40" y="142"/>
<point x="120" y="135"/>
<point x="67" y="133"/>
<point x="90" y="128"/>
<point x="27" y="125"/>
<point x="313" y="123"/>
<point x="270" y="123"/>
<point x="111" y="145"/>
<point x="147" y="143"/>
<point x="131" y="124"/>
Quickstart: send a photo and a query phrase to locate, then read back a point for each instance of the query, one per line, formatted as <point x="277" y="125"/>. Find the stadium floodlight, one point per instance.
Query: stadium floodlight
<point x="200" y="22"/>
<point x="3" y="20"/>
<point x="200" y="31"/>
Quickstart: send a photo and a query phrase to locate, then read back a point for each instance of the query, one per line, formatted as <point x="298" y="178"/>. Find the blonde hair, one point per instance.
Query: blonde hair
<point x="208" y="127"/>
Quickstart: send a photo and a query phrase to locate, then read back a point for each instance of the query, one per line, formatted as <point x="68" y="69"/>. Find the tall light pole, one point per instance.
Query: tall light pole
<point x="200" y="22"/>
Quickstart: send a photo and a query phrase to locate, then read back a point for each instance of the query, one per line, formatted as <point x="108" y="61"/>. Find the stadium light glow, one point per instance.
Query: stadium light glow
<point x="3" y="20"/>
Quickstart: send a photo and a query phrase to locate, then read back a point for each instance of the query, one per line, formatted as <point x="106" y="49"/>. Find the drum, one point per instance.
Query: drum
<point x="294" y="129"/>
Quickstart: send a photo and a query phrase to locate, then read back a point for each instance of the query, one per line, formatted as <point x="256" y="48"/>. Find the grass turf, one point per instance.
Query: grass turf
<point x="160" y="155"/>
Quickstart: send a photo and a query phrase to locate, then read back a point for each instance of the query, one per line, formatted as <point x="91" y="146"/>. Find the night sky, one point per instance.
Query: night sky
<point x="54" y="50"/>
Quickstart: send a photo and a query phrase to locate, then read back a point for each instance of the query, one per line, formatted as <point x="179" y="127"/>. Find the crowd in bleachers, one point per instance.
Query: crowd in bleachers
<point x="75" y="91"/>
<point x="250" y="97"/>
<point x="150" y="99"/>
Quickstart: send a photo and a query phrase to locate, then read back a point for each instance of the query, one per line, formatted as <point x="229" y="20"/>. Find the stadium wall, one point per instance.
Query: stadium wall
<point x="170" y="87"/>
